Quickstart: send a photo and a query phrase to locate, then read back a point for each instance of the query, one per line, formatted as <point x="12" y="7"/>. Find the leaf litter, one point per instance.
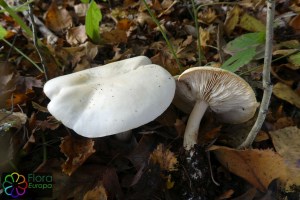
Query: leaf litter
<point x="154" y="165"/>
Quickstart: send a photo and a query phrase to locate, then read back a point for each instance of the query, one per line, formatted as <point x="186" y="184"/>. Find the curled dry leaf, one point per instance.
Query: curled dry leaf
<point x="286" y="143"/>
<point x="76" y="35"/>
<point x="286" y="93"/>
<point x="164" y="158"/>
<point x="258" y="167"/>
<point x="58" y="19"/>
<point x="96" y="193"/>
<point x="77" y="150"/>
<point x="232" y="19"/>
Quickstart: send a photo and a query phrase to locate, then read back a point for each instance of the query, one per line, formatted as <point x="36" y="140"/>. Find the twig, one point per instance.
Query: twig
<point x="51" y="37"/>
<point x="267" y="85"/>
<point x="35" y="41"/>
<point x="195" y="16"/>
<point x="164" y="35"/>
<point x="20" y="52"/>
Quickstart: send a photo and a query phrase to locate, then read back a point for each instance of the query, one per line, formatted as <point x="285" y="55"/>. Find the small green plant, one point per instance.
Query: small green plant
<point x="243" y="49"/>
<point x="92" y="20"/>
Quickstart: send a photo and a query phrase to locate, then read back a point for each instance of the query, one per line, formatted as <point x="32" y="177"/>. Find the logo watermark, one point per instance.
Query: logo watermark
<point x="16" y="185"/>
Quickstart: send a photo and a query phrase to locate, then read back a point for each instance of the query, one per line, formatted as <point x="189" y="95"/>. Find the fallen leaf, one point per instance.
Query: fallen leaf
<point x="98" y="193"/>
<point x="258" y="167"/>
<point x="115" y="36"/>
<point x="81" y="9"/>
<point x="232" y="19"/>
<point x="286" y="93"/>
<point x="252" y="24"/>
<point x="283" y="122"/>
<point x="57" y="19"/>
<point x="11" y="140"/>
<point x="295" y="23"/>
<point x="124" y="24"/>
<point x="164" y="158"/>
<point x="11" y="120"/>
<point x="295" y="60"/>
<point x="77" y="150"/>
<point x="50" y="123"/>
<point x="207" y="16"/>
<point x="8" y="81"/>
<point x="76" y="35"/>
<point x="286" y="143"/>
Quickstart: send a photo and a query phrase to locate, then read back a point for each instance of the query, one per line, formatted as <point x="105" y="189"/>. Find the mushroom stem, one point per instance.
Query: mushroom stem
<point x="192" y="127"/>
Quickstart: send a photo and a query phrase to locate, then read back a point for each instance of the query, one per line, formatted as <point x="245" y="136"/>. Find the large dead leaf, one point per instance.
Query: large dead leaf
<point x="98" y="193"/>
<point x="250" y="23"/>
<point x="232" y="19"/>
<point x="286" y="93"/>
<point x="286" y="143"/>
<point x="164" y="158"/>
<point x="58" y="19"/>
<point x="11" y="140"/>
<point x="77" y="150"/>
<point x="8" y="79"/>
<point x="258" y="167"/>
<point x="76" y="35"/>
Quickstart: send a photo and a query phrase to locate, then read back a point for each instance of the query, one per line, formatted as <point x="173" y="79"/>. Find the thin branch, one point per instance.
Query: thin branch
<point x="24" y="55"/>
<point x="170" y="46"/>
<point x="267" y="85"/>
<point x="35" y="41"/>
<point x="195" y="14"/>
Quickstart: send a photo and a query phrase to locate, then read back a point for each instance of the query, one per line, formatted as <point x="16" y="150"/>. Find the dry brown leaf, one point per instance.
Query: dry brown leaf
<point x="286" y="93"/>
<point x="77" y="150"/>
<point x="114" y="36"/>
<point x="252" y="24"/>
<point x="98" y="193"/>
<point x="81" y="9"/>
<point x="8" y="120"/>
<point x="207" y="16"/>
<point x="232" y="19"/>
<point x="206" y="35"/>
<point x="124" y="24"/>
<point x="76" y="35"/>
<point x="283" y="122"/>
<point x="19" y="98"/>
<point x="164" y="157"/>
<point x="295" y="23"/>
<point x="286" y="143"/>
<point x="258" y="167"/>
<point x="57" y="19"/>
<point x="75" y="55"/>
<point x="8" y="79"/>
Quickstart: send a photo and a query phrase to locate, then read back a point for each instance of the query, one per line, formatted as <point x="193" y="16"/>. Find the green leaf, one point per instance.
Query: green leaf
<point x="3" y="32"/>
<point x="16" y="17"/>
<point x="85" y="1"/>
<point x="295" y="59"/>
<point x="244" y="42"/>
<point x="239" y="59"/>
<point x="92" y="20"/>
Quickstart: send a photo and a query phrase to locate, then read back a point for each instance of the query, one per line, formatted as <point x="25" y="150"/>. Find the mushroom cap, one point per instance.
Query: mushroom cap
<point x="229" y="96"/>
<point x="112" y="98"/>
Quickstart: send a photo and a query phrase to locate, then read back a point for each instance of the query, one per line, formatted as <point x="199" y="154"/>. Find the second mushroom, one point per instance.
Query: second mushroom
<point x="226" y="94"/>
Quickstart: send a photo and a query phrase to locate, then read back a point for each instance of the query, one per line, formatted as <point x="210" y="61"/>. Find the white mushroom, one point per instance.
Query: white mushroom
<point x="111" y="99"/>
<point x="228" y="96"/>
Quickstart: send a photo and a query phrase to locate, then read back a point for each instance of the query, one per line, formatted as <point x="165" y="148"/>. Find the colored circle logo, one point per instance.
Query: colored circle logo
<point x="14" y="185"/>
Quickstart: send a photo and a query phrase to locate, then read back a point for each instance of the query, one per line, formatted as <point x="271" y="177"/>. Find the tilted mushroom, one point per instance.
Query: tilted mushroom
<point x="226" y="94"/>
<point x="112" y="98"/>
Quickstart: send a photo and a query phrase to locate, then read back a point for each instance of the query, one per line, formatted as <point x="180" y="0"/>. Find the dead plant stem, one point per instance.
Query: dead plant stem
<point x="267" y="85"/>
<point x="35" y="41"/>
